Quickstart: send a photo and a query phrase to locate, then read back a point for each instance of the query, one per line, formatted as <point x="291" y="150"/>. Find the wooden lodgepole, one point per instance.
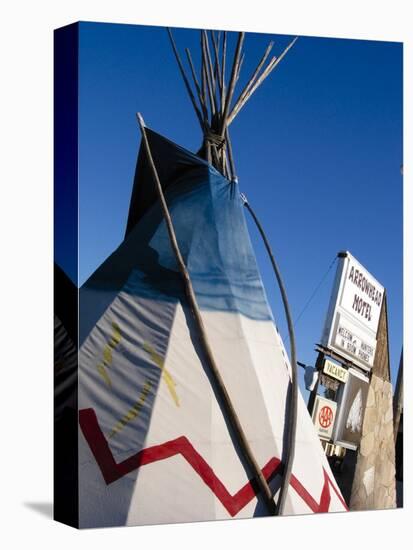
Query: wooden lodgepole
<point x="291" y="429"/>
<point x="190" y="294"/>
<point x="255" y="81"/>
<point x="185" y="79"/>
<point x="232" y="82"/>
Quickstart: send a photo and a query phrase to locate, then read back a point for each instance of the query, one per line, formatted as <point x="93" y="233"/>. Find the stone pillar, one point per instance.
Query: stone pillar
<point x="374" y="484"/>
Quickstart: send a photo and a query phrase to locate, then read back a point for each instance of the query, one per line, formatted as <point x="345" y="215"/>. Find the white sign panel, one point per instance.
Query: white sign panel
<point x="361" y="295"/>
<point x="335" y="371"/>
<point x="354" y="313"/>
<point x="352" y="399"/>
<point x="356" y="343"/>
<point x="324" y="415"/>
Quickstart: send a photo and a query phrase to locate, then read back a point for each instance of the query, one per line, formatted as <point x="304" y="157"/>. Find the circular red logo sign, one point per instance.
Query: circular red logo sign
<point x="325" y="417"/>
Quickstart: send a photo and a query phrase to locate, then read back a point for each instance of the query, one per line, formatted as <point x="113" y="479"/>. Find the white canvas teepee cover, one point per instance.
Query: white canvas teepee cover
<point x="154" y="444"/>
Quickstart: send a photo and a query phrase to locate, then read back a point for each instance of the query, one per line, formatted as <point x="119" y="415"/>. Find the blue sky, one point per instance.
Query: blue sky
<point x="318" y="151"/>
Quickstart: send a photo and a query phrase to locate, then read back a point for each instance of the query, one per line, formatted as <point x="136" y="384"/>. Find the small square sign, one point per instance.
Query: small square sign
<point x="324" y="415"/>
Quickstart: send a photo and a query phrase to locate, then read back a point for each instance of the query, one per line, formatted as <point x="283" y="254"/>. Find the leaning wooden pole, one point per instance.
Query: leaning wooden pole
<point x="223" y="62"/>
<point x="229" y="408"/>
<point x="254" y="84"/>
<point x="254" y="75"/>
<point x="198" y="89"/>
<point x="290" y="438"/>
<point x="185" y="79"/>
<point x="232" y="82"/>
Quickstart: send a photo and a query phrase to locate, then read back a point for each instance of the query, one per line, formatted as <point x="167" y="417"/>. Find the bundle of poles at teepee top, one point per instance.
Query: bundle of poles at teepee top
<point x="212" y="95"/>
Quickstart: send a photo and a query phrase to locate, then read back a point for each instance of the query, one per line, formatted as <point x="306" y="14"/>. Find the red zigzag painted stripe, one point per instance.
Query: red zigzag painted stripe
<point x="112" y="471"/>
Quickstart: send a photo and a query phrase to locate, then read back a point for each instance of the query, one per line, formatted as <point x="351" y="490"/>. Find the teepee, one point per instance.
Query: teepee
<point x="187" y="399"/>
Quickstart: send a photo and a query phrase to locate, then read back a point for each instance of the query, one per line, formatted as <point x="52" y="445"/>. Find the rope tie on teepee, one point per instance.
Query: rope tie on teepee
<point x="215" y="139"/>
